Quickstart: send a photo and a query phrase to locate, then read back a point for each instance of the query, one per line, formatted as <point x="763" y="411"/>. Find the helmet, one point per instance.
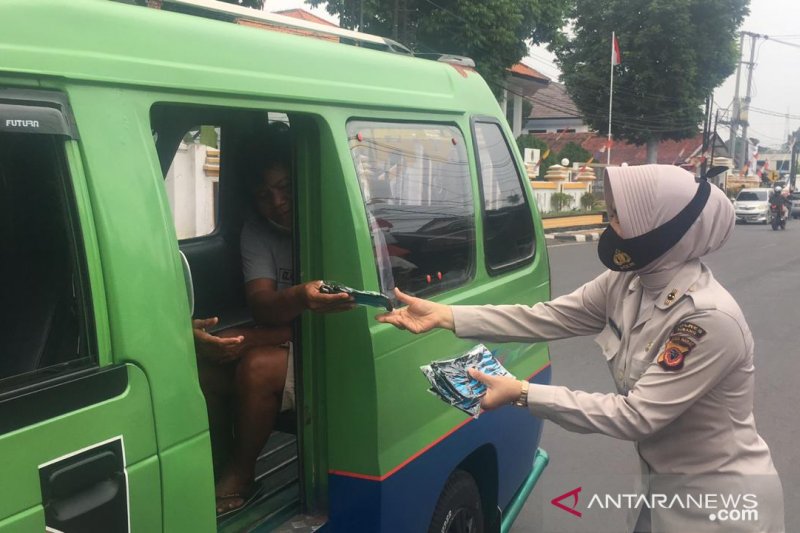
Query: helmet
<point x="778" y="188"/>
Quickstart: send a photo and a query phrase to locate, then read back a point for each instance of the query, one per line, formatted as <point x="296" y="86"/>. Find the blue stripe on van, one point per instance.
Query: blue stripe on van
<point x="405" y="500"/>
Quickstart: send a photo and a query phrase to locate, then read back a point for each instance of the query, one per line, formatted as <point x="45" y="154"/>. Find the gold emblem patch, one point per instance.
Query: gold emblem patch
<point x="674" y="353"/>
<point x="679" y="345"/>
<point x="621" y="259"/>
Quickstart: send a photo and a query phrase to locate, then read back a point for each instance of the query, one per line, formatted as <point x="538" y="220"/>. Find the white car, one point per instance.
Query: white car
<point x="752" y="205"/>
<point x="795" y="204"/>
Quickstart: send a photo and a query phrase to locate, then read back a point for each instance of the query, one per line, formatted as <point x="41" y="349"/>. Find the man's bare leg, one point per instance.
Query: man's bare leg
<point x="258" y="389"/>
<point x="216" y="381"/>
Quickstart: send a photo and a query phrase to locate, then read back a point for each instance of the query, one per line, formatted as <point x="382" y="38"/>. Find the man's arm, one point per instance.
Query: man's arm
<point x="211" y="347"/>
<point x="271" y="306"/>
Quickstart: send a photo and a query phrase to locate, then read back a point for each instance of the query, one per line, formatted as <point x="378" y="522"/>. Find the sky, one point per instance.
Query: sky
<point x="776" y="78"/>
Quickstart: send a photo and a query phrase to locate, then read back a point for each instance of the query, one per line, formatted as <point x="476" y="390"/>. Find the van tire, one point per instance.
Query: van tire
<point x="459" y="507"/>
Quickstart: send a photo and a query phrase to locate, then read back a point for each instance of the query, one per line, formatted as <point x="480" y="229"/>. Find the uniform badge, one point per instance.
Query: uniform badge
<point x="682" y="340"/>
<point x="622" y="260"/>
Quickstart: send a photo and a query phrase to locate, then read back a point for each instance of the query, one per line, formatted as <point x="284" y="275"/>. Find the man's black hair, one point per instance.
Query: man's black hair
<point x="269" y="149"/>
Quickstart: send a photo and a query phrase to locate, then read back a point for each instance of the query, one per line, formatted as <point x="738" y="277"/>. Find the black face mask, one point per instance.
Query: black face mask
<point x="636" y="253"/>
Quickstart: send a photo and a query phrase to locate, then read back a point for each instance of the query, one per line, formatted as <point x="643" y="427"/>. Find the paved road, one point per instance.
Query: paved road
<point x="761" y="268"/>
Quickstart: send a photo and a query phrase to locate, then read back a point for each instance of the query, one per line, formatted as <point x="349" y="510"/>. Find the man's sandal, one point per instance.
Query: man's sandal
<point x="246" y="496"/>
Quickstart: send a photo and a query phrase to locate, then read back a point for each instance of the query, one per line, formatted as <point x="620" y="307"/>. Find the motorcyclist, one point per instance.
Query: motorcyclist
<point x="781" y="199"/>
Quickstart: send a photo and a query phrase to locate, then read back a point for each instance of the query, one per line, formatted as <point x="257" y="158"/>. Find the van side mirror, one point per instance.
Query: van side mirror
<point x="187" y="279"/>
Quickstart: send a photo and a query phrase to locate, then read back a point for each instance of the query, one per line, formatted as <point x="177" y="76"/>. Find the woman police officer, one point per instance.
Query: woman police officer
<point x="676" y="342"/>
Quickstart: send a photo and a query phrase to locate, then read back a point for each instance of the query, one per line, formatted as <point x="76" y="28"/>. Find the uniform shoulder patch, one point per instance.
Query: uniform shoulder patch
<point x="688" y="329"/>
<point x="682" y="340"/>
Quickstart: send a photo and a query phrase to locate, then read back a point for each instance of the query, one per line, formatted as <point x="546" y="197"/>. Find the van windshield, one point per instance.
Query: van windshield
<point x="752" y="196"/>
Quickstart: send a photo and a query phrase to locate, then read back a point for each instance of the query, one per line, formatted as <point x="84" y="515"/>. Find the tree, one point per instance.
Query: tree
<point x="673" y="55"/>
<point x="574" y="153"/>
<point x="587" y="201"/>
<point x="492" y="32"/>
<point x="560" y="201"/>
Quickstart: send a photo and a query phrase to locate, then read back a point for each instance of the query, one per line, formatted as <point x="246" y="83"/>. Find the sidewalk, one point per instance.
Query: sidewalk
<point x="575" y="234"/>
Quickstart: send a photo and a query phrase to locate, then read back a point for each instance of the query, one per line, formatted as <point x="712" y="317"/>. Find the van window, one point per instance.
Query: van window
<point x="508" y="225"/>
<point x="416" y="186"/>
<point x="192" y="182"/>
<point x="45" y="323"/>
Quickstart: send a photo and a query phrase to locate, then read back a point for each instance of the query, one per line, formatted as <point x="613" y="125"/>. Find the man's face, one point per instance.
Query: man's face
<point x="274" y="196"/>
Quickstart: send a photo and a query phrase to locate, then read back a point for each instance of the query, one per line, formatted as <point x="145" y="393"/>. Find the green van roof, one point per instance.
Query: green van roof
<point x="109" y="42"/>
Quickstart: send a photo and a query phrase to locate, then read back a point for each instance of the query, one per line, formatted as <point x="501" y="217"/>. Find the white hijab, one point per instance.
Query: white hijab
<point x="647" y="196"/>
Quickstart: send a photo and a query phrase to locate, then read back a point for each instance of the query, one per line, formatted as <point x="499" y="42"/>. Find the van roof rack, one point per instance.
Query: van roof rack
<point x="452" y="59"/>
<point x="214" y="8"/>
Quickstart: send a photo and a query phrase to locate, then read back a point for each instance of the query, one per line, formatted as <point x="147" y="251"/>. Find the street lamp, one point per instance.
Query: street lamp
<point x="565" y="164"/>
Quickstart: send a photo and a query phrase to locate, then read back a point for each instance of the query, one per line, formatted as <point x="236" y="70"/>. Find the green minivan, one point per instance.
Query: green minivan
<point x="123" y="139"/>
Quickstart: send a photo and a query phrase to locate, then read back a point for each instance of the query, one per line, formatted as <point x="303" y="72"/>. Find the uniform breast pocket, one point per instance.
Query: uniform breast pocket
<point x="637" y="368"/>
<point x="609" y="342"/>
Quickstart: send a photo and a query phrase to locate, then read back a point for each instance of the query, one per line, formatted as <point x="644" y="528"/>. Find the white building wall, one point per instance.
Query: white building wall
<point x="191" y="192"/>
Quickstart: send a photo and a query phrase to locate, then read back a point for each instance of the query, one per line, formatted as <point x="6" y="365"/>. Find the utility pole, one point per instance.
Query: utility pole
<point x="706" y="129"/>
<point x="750" y="66"/>
<point x="714" y="136"/>
<point x="734" y="125"/>
<point x="793" y="161"/>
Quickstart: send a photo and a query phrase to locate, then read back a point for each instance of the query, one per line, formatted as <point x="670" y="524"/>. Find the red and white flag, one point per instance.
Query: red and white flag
<point x="616" y="55"/>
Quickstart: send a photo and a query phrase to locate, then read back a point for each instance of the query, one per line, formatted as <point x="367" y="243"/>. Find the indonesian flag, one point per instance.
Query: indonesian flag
<point x="616" y="55"/>
<point x="753" y="163"/>
<point x="544" y="156"/>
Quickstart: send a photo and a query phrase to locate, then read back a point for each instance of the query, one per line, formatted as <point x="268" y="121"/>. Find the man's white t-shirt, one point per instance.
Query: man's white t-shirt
<point x="266" y="252"/>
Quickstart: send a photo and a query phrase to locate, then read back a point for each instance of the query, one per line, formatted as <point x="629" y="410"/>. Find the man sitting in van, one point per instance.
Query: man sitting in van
<point x="251" y="369"/>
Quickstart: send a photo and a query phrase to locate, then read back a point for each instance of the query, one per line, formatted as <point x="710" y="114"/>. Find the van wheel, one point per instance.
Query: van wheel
<point x="459" y="507"/>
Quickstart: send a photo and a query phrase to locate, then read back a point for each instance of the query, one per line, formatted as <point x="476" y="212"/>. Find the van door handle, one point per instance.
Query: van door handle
<point x="66" y="509"/>
<point x="78" y="488"/>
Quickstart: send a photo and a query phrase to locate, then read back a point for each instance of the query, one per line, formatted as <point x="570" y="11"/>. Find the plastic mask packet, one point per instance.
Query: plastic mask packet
<point x="370" y="298"/>
<point x="450" y="381"/>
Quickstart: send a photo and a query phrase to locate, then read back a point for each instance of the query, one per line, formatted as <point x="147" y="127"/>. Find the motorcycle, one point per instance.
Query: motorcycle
<point x="777" y="215"/>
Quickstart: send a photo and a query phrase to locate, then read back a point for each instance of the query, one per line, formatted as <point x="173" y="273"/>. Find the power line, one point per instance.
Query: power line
<point x="437" y="6"/>
<point x="793" y="45"/>
<point x="632" y="123"/>
<point x="772" y="113"/>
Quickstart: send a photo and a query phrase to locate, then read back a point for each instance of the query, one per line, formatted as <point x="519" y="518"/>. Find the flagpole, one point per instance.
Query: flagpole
<point x="610" y="101"/>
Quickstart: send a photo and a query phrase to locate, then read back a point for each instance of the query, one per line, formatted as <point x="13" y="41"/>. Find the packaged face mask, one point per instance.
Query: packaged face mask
<point x="450" y="381"/>
<point x="371" y="298"/>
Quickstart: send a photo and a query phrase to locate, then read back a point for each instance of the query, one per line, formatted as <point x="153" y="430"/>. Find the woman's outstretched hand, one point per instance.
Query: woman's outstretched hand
<point x="419" y="315"/>
<point x="500" y="390"/>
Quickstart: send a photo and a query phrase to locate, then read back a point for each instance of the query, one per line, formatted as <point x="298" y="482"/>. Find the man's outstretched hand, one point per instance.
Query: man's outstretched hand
<point x="212" y="347"/>
<point x="321" y="302"/>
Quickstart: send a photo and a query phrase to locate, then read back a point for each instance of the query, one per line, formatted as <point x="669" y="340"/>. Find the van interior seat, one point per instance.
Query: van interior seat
<point x="218" y="281"/>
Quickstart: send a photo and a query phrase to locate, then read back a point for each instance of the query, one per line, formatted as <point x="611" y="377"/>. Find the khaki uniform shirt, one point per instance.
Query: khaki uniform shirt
<point x="683" y="370"/>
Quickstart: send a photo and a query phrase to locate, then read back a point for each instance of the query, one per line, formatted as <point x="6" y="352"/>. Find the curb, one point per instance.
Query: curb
<point x="574" y="237"/>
